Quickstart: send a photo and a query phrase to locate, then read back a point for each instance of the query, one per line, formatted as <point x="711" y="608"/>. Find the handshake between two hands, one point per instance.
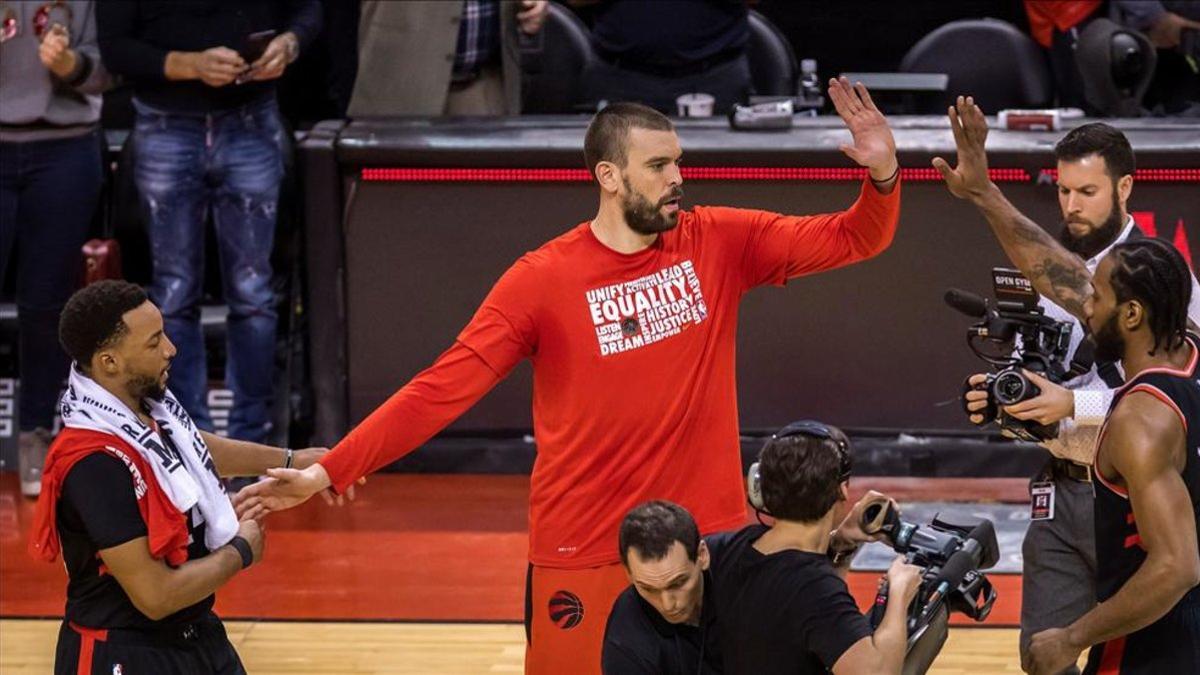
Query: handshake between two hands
<point x="284" y="488"/>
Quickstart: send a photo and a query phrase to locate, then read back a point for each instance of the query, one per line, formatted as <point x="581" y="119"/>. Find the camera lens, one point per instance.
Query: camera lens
<point x="1009" y="388"/>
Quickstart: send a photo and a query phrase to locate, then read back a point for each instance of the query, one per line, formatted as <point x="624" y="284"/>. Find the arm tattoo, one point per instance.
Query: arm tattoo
<point x="1071" y="286"/>
<point x="1054" y="272"/>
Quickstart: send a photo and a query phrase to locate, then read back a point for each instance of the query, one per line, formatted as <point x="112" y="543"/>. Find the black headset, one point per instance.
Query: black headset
<point x="811" y="429"/>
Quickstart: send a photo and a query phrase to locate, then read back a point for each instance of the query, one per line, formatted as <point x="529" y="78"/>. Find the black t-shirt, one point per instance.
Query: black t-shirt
<point x="639" y="641"/>
<point x="788" y="612"/>
<point x="135" y="38"/>
<point x="98" y="510"/>
<point x="668" y="33"/>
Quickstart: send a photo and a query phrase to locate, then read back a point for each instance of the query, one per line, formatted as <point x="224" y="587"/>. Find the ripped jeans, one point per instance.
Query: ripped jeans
<point x="232" y="162"/>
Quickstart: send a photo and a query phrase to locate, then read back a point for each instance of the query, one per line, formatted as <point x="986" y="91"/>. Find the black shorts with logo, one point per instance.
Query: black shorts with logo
<point x="197" y="648"/>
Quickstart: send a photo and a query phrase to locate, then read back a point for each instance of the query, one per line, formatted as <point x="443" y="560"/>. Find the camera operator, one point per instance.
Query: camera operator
<point x="1095" y="180"/>
<point x="664" y="622"/>
<point x="1060" y="584"/>
<point x="782" y="606"/>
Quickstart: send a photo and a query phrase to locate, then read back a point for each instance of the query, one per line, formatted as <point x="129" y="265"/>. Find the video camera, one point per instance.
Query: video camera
<point x="953" y="557"/>
<point x="1022" y="337"/>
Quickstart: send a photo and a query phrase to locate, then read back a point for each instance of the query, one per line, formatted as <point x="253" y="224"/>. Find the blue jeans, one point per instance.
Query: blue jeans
<point x="48" y="195"/>
<point x="232" y="162"/>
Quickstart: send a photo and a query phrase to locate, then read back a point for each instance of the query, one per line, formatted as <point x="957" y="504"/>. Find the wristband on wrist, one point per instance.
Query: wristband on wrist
<point x="288" y="457"/>
<point x="888" y="179"/>
<point x="242" y="546"/>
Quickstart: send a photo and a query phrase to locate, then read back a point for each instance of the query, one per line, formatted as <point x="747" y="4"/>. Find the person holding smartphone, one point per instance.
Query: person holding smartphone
<point x="51" y="80"/>
<point x="208" y="135"/>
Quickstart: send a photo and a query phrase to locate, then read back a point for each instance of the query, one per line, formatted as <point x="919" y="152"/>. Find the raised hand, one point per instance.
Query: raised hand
<point x="970" y="178"/>
<point x="873" y="145"/>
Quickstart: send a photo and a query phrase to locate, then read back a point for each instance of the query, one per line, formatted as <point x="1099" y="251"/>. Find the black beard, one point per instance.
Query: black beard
<point x="644" y="217"/>
<point x="1097" y="240"/>
<point x="1110" y="346"/>
<point x="145" y="386"/>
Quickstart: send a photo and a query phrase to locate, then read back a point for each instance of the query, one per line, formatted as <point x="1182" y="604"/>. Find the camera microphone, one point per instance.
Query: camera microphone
<point x="967" y="303"/>
<point x="949" y="577"/>
<point x="979" y="551"/>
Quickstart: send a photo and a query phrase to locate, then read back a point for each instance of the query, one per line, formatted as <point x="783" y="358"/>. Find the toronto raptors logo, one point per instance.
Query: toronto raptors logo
<point x="566" y="610"/>
<point x="630" y="327"/>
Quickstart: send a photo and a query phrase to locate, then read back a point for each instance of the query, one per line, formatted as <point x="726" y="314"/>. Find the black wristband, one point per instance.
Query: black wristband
<point x="242" y="546"/>
<point x="288" y="456"/>
<point x="888" y="179"/>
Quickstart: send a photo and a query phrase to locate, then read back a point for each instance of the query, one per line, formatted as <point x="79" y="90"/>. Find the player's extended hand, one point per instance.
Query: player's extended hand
<point x="283" y="489"/>
<point x="970" y="178"/>
<point x="850" y="531"/>
<point x="1050" y="651"/>
<point x="873" y="145"/>
<point x="1055" y="403"/>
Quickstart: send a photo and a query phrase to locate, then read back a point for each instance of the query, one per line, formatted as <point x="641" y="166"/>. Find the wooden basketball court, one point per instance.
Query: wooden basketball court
<point x="423" y="574"/>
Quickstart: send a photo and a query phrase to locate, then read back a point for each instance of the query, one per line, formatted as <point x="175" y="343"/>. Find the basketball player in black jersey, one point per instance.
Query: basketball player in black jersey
<point x="1148" y="456"/>
<point x="1147" y="469"/>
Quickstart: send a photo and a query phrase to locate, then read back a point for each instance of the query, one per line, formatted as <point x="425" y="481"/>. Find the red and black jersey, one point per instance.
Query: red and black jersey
<point x="1171" y="644"/>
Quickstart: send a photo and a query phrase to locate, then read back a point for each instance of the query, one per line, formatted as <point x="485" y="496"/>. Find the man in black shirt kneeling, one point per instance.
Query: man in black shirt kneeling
<point x="660" y="624"/>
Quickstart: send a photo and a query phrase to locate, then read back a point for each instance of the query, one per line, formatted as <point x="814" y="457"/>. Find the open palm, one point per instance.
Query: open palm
<point x="970" y="175"/>
<point x="873" y="146"/>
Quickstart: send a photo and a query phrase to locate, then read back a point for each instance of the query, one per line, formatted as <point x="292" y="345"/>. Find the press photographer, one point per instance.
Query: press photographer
<point x="1095" y="180"/>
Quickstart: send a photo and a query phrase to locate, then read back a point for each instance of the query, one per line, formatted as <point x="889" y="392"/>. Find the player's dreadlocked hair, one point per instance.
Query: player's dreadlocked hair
<point x="1152" y="272"/>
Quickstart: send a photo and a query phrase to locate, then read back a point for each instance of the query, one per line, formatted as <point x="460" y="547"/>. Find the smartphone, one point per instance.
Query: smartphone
<point x="255" y="44"/>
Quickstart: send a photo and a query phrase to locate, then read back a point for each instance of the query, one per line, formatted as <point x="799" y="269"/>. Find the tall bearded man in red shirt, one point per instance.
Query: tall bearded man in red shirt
<point x="630" y="321"/>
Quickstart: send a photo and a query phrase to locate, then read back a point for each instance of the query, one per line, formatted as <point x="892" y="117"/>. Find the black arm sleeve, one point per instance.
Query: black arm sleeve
<point x="99" y="489"/>
<point x="123" y="52"/>
<point x="304" y="19"/>
<point x="836" y="623"/>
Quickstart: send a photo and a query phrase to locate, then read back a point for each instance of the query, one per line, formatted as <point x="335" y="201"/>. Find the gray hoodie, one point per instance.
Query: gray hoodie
<point x="34" y="103"/>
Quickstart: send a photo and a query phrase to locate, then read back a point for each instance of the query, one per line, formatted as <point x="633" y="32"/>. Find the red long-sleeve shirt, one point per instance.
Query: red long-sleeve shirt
<point x="634" y="396"/>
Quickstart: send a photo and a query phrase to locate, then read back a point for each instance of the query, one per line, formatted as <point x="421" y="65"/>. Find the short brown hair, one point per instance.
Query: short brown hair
<point x="608" y="134"/>
<point x="801" y="477"/>
<point x="652" y="529"/>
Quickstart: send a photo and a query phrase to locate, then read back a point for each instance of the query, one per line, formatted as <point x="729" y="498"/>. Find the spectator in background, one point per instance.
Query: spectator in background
<point x="654" y="52"/>
<point x="1175" y="88"/>
<point x="50" y="177"/>
<point x="428" y="57"/>
<point x="1055" y="25"/>
<point x="208" y="135"/>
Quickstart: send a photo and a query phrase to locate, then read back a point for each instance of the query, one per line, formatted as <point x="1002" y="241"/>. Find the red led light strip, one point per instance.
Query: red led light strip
<point x="689" y="173"/>
<point x="1152" y="175"/>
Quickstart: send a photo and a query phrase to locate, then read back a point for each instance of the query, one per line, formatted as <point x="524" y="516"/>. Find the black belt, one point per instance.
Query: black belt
<point x="680" y="70"/>
<point x="1065" y="468"/>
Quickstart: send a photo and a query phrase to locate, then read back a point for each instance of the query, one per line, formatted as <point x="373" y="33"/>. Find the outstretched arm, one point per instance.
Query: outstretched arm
<point x="420" y="409"/>
<point x="1053" y="270"/>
